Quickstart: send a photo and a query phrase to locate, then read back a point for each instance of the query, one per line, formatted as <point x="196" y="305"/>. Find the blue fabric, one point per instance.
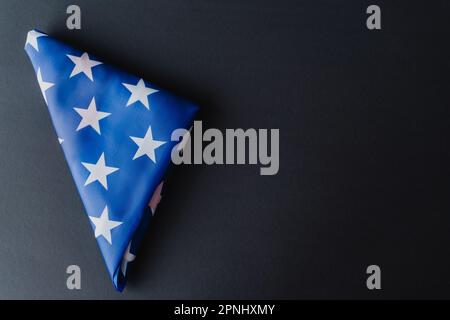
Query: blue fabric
<point x="131" y="187"/>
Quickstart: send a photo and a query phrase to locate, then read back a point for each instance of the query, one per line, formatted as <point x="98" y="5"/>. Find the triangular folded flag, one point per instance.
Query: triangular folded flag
<point x="115" y="130"/>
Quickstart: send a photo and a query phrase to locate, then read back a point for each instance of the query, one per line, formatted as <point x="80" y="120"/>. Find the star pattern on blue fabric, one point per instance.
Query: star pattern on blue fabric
<point x="32" y="39"/>
<point x="147" y="145"/>
<point x="99" y="171"/>
<point x="91" y="116"/>
<point x="103" y="225"/>
<point x="83" y="65"/>
<point x="139" y="92"/>
<point x="111" y="127"/>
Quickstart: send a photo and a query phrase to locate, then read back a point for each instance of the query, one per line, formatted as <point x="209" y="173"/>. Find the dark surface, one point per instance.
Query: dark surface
<point x="364" y="151"/>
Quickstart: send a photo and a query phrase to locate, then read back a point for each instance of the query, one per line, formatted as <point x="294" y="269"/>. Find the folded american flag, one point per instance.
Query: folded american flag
<point x="115" y="130"/>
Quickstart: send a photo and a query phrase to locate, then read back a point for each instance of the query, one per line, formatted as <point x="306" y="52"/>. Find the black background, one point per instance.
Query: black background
<point x="364" y="158"/>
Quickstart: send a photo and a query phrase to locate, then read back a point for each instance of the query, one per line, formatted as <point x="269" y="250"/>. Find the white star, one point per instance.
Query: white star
<point x="43" y="85"/>
<point x="99" y="171"/>
<point x="32" y="37"/>
<point x="83" y="64"/>
<point x="139" y="92"/>
<point x="91" y="117"/>
<point x="103" y="225"/>
<point x="127" y="257"/>
<point x="147" y="145"/>
<point x="60" y="140"/>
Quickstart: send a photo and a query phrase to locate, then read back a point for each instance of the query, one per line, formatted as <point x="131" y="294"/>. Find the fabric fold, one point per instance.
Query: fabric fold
<point x="115" y="131"/>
